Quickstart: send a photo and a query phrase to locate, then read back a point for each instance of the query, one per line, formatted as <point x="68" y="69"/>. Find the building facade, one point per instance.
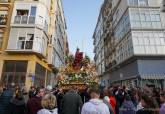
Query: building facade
<point x="134" y="43"/>
<point x="98" y="42"/>
<point x="30" y="52"/>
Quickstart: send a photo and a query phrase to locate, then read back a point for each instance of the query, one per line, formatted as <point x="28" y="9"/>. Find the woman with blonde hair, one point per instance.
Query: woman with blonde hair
<point x="49" y="105"/>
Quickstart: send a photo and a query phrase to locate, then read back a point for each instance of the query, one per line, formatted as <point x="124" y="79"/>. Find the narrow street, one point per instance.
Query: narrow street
<point x="82" y="56"/>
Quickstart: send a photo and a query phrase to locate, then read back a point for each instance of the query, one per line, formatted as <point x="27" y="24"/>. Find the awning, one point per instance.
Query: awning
<point x="153" y="76"/>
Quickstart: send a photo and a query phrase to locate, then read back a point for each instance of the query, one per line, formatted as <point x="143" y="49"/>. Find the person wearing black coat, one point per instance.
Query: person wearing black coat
<point x="60" y="95"/>
<point x="72" y="102"/>
<point x="17" y="104"/>
<point x="5" y="98"/>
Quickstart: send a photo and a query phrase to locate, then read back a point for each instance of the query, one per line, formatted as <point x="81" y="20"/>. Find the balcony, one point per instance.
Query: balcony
<point x="24" y="20"/>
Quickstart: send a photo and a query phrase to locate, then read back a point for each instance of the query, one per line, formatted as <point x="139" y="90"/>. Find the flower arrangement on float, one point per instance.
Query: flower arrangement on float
<point x="79" y="71"/>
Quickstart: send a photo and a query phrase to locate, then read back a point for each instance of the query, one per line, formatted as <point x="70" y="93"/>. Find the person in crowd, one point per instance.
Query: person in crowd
<point x="119" y="98"/>
<point x="72" y="102"/>
<point x="162" y="99"/>
<point x="60" y="96"/>
<point x="34" y="104"/>
<point x="149" y="104"/>
<point x="132" y="93"/>
<point x="127" y="106"/>
<point x="138" y="97"/>
<point x="32" y="92"/>
<point x="17" y="104"/>
<point x="106" y="100"/>
<point x="156" y="95"/>
<point x="48" y="89"/>
<point x="112" y="101"/>
<point x="49" y="105"/>
<point x="95" y="105"/>
<point x="5" y="98"/>
<point x="85" y="95"/>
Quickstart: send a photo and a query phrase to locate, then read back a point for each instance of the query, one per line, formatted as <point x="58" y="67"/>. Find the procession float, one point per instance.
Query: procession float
<point x="79" y="72"/>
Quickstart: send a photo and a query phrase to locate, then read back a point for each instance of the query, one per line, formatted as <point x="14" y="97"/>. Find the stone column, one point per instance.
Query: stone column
<point x="30" y="72"/>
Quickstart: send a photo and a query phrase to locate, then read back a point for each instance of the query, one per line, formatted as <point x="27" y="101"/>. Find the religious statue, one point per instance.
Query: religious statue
<point x="78" y="59"/>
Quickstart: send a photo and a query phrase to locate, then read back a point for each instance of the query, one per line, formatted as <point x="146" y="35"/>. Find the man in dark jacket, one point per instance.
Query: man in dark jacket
<point x="5" y="98"/>
<point x="34" y="104"/>
<point x="60" y="95"/>
<point x="72" y="102"/>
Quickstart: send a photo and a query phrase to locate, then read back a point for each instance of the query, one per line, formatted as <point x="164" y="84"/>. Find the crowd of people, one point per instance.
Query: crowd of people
<point x="94" y="100"/>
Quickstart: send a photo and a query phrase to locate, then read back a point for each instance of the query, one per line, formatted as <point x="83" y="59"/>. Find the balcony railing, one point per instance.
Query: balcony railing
<point x="24" y="20"/>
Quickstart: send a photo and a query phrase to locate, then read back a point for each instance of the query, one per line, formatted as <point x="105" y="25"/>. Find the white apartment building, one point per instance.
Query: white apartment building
<point x="139" y="39"/>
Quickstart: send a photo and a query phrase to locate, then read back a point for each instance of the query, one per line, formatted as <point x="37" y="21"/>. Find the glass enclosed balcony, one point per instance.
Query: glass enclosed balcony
<point x="24" y="19"/>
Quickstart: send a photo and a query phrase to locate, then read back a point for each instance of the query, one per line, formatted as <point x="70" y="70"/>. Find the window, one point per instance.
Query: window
<point x="14" y="72"/>
<point x="146" y="41"/>
<point x="133" y="2"/>
<point x="40" y="75"/>
<point x="33" y="11"/>
<point x="29" y="41"/>
<point x="138" y="2"/>
<point x="152" y="41"/>
<point x="143" y="2"/>
<point x="21" y="43"/>
<point x="153" y="50"/>
<point x="123" y="27"/>
<point x="135" y="18"/>
<point x="25" y="42"/>
<point x="3" y="17"/>
<point x="22" y="12"/>
<point x="162" y="40"/>
<point x="143" y="17"/>
<point x="39" y="44"/>
<point x="135" y="41"/>
<point x="148" y="50"/>
<point x="148" y="18"/>
<point x="155" y="18"/>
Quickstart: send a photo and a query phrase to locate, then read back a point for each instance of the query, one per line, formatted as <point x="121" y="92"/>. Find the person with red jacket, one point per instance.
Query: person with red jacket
<point x="112" y="101"/>
<point x="34" y="104"/>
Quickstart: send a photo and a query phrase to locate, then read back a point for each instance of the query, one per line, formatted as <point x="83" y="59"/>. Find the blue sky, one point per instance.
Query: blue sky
<point x="81" y="18"/>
